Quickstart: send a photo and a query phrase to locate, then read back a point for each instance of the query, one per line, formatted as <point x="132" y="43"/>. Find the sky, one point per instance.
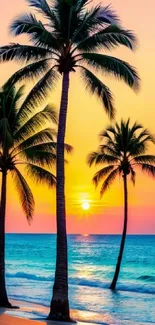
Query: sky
<point x="86" y="118"/>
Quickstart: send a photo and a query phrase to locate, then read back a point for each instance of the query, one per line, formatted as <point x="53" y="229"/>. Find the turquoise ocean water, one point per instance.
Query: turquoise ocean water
<point x="30" y="264"/>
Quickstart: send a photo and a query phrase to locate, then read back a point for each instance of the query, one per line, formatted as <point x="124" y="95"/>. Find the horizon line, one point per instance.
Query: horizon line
<point x="75" y="234"/>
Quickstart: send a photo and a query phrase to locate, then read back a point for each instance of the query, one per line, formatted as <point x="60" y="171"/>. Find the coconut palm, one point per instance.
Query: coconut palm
<point x="69" y="40"/>
<point x="25" y="140"/>
<point x="124" y="150"/>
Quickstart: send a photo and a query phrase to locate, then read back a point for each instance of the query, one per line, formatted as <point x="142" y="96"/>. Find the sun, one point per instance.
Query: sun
<point x="85" y="205"/>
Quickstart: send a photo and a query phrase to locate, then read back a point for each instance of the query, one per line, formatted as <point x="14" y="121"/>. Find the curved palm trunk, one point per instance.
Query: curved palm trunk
<point x="59" y="309"/>
<point x="4" y="302"/>
<point x="118" y="265"/>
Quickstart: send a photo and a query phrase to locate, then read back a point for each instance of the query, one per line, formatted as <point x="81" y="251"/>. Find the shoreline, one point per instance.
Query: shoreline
<point x="35" y="313"/>
<point x="30" y="313"/>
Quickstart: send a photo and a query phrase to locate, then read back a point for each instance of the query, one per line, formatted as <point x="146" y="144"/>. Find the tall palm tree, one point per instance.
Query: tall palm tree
<point x="25" y="140"/>
<point x="68" y="40"/>
<point x="123" y="150"/>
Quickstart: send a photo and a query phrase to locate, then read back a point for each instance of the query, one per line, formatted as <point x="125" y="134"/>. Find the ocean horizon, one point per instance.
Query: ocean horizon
<point x="30" y="267"/>
<point x="80" y="234"/>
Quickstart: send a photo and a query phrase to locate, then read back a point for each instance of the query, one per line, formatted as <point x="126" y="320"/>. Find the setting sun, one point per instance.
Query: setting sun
<point x="85" y="205"/>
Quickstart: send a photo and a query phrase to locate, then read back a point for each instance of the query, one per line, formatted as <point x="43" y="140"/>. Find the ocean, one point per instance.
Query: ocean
<point x="30" y="265"/>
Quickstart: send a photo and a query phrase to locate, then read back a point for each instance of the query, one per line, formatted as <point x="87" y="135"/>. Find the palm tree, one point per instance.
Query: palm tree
<point x="124" y="148"/>
<point x="69" y="40"/>
<point x="25" y="140"/>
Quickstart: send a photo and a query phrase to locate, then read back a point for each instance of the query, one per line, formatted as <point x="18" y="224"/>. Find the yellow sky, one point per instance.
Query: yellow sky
<point x="86" y="118"/>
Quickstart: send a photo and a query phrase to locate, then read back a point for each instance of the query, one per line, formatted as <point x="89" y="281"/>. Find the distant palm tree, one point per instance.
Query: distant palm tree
<point x="69" y="40"/>
<point x="25" y="140"/>
<point x="124" y="148"/>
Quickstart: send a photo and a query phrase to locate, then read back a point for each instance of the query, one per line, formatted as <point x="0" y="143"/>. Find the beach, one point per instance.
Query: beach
<point x="29" y="313"/>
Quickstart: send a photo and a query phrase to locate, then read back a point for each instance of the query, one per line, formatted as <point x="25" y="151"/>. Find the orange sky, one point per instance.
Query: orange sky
<point x="86" y="119"/>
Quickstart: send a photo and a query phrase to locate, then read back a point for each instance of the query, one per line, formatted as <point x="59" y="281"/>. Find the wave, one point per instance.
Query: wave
<point x="148" y="278"/>
<point x="29" y="276"/>
<point x="74" y="281"/>
<point x="131" y="287"/>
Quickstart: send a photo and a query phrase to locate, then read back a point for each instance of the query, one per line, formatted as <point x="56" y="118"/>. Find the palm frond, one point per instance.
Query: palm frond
<point x="111" y="148"/>
<point x="109" y="158"/>
<point x="99" y="17"/>
<point x="44" y="136"/>
<point x="105" y="133"/>
<point x="148" y="168"/>
<point x="13" y="95"/>
<point x="118" y="127"/>
<point x="25" y="194"/>
<point x="138" y="147"/>
<point x="133" y="175"/>
<point x="144" y="159"/>
<point x="108" y="38"/>
<point x="102" y="173"/>
<point x="102" y="91"/>
<point x="39" y="35"/>
<point x="40" y="175"/>
<point x="42" y="7"/>
<point x="37" y="121"/>
<point x="13" y="100"/>
<point x="106" y="15"/>
<point x="65" y="19"/>
<point x="68" y="148"/>
<point x="41" y="154"/>
<point x="84" y="27"/>
<point x="6" y="139"/>
<point x="146" y="135"/>
<point x="9" y="101"/>
<point x="91" y="159"/>
<point x="37" y="94"/>
<point x="23" y="53"/>
<point x="101" y="158"/>
<point x="81" y="5"/>
<point x="108" y="181"/>
<point x="31" y="71"/>
<point x="92" y="19"/>
<point x="116" y="67"/>
<point x="136" y="126"/>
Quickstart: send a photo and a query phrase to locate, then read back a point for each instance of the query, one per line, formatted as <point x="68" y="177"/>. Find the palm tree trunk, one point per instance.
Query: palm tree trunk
<point x="59" y="309"/>
<point x="118" y="265"/>
<point x="4" y="302"/>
